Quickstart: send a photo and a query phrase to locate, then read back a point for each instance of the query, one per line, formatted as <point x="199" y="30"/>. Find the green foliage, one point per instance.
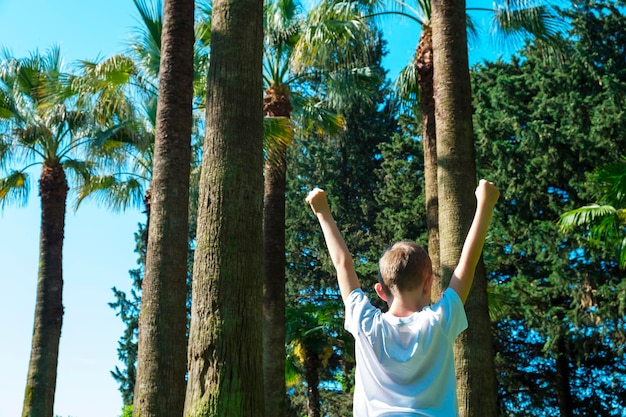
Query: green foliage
<point x="540" y="130"/>
<point x="127" y="411"/>
<point x="604" y="224"/>
<point x="373" y="175"/>
<point x="558" y="303"/>
<point x="127" y="306"/>
<point x="400" y="199"/>
<point x="44" y="119"/>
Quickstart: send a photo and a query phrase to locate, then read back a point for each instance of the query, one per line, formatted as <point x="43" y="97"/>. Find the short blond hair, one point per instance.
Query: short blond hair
<point x="403" y="267"/>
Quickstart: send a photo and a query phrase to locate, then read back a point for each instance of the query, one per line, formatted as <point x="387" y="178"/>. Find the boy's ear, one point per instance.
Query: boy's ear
<point x="379" y="290"/>
<point x="428" y="283"/>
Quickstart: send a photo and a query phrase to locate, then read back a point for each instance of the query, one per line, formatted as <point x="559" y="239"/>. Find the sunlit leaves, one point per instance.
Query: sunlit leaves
<point x="14" y="188"/>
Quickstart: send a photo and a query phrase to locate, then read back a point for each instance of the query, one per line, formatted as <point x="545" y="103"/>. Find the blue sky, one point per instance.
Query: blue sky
<point x="98" y="246"/>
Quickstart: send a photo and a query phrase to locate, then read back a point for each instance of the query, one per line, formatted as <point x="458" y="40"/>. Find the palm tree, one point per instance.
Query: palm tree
<point x="511" y="21"/>
<point x="313" y="333"/>
<point x="288" y="31"/>
<point x="456" y="178"/>
<point x="145" y="46"/>
<point x="416" y="82"/>
<point x="281" y="31"/>
<point x="38" y="126"/>
<point x="443" y="76"/>
<point x="161" y="360"/>
<point x="604" y="221"/>
<point x="225" y="375"/>
<point x="110" y="84"/>
<point x="136" y="74"/>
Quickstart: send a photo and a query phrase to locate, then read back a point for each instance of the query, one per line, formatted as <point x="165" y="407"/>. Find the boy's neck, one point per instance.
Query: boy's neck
<point x="403" y="305"/>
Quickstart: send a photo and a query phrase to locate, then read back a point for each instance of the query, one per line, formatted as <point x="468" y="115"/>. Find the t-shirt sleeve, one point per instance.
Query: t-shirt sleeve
<point x="451" y="312"/>
<point x="359" y="311"/>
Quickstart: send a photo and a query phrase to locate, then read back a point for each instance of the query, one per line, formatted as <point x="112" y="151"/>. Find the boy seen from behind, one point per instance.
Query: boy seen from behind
<point x="404" y="357"/>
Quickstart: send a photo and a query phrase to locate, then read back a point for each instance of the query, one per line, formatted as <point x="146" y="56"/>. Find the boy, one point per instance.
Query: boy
<point x="405" y="361"/>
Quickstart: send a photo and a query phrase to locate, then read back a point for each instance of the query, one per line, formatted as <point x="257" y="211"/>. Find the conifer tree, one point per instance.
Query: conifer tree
<point x="541" y="129"/>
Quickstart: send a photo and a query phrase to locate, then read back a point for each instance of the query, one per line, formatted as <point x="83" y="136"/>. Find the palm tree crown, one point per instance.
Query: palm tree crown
<point x="40" y="124"/>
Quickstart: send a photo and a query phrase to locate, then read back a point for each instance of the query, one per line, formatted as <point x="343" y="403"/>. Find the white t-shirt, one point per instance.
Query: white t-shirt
<point x="405" y="365"/>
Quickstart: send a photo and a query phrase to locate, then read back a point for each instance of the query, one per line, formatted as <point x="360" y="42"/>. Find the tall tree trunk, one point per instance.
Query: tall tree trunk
<point x="44" y="354"/>
<point x="226" y="342"/>
<point x="456" y="177"/>
<point x="312" y="367"/>
<point x="563" y="392"/>
<point x="161" y="365"/>
<point x="429" y="141"/>
<point x="275" y="104"/>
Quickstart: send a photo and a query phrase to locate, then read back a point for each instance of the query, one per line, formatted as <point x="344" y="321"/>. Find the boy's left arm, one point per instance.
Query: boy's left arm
<point x="339" y="253"/>
<point x="486" y="196"/>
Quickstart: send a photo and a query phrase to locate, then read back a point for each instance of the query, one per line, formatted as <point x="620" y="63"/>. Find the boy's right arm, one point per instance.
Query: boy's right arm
<point x="339" y="253"/>
<point x="486" y="197"/>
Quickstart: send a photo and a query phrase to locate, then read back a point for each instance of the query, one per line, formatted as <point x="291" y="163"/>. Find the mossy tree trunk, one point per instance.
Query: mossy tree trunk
<point x="225" y="373"/>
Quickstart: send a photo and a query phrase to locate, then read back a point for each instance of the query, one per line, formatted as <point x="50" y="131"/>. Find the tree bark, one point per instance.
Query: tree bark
<point x="44" y="355"/>
<point x="225" y="373"/>
<point x="161" y="365"/>
<point x="429" y="140"/>
<point x="456" y="177"/>
<point x="276" y="104"/>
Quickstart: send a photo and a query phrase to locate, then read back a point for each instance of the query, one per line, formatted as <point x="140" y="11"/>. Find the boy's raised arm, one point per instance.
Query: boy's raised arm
<point x="486" y="197"/>
<point x="339" y="253"/>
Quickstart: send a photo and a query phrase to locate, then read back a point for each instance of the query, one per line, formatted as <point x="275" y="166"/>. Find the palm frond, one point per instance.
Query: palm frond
<point x="292" y="375"/>
<point x="350" y="85"/>
<point x="283" y="22"/>
<point x="201" y="49"/>
<point x="6" y="151"/>
<point x="29" y="135"/>
<point x="314" y="116"/>
<point x="15" y="108"/>
<point x="146" y="44"/>
<point x="584" y="216"/>
<point x="6" y="104"/>
<point x="604" y="222"/>
<point x="106" y="87"/>
<point x="14" y="188"/>
<point x="472" y="30"/>
<point x="604" y="225"/>
<point x="112" y="192"/>
<point x="515" y="21"/>
<point x="407" y="85"/>
<point x="277" y="130"/>
<point x="113" y="137"/>
<point x="498" y="301"/>
<point x="425" y="9"/>
<point x="203" y="24"/>
<point x="79" y="171"/>
<point x="611" y="181"/>
<point x="329" y="35"/>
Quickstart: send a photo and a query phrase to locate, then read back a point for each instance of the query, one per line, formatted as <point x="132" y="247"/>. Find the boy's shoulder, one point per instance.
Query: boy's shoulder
<point x="450" y="312"/>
